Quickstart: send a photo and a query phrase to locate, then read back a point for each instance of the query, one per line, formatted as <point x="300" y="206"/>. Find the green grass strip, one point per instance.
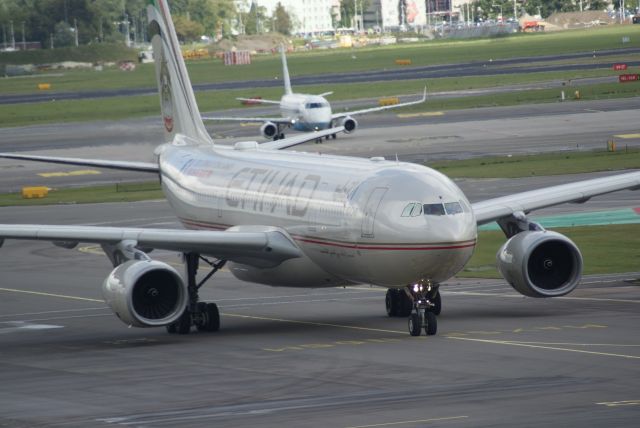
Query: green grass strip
<point x="574" y="162"/>
<point x="119" y="192"/>
<point x="605" y="249"/>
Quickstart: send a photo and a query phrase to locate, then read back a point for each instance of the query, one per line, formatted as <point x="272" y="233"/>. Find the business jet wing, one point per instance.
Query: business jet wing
<point x="578" y="192"/>
<point x="98" y="163"/>
<point x="374" y="109"/>
<point x="257" y="248"/>
<point x="276" y="120"/>
<point x="258" y="101"/>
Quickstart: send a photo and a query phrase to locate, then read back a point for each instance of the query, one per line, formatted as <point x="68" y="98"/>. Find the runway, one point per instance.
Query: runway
<point x="309" y="358"/>
<point x="317" y="358"/>
<point x="420" y="138"/>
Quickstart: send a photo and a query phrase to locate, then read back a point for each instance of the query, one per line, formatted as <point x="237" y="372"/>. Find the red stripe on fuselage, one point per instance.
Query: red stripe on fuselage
<point x="351" y="245"/>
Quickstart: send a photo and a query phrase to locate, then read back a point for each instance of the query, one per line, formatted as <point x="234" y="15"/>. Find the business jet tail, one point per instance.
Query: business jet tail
<point x="180" y="114"/>
<point x="285" y="72"/>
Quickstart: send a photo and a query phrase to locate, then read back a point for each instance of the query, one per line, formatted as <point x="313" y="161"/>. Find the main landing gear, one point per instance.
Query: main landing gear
<point x="420" y="302"/>
<point x="204" y="316"/>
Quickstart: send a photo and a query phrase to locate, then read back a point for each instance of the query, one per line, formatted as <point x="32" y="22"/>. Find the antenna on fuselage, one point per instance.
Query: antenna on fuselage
<point x="285" y="72"/>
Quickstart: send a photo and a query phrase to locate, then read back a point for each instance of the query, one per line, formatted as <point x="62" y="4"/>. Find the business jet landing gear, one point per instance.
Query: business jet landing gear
<point x="204" y="316"/>
<point x="426" y="303"/>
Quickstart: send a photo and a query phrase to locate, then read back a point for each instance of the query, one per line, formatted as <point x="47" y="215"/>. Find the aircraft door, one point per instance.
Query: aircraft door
<point x="370" y="210"/>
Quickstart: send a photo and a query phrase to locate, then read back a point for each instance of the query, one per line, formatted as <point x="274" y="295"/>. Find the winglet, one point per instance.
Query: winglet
<point x="285" y="72"/>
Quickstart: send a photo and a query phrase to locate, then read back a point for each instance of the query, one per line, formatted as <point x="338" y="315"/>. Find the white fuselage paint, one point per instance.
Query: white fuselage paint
<point x="307" y="112"/>
<point x="344" y="213"/>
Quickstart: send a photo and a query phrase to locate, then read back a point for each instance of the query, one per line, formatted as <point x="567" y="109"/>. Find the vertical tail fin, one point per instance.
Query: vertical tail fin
<point x="180" y="114"/>
<point x="285" y="72"/>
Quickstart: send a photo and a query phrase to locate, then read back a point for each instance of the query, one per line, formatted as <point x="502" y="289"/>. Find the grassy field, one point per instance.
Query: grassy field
<point x="605" y="249"/>
<point x="545" y="164"/>
<point x="121" y="192"/>
<point x="346" y="60"/>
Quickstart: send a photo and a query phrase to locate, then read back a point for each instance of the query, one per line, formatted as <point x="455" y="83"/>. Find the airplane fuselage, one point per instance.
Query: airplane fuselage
<point x="308" y="112"/>
<point x="349" y="216"/>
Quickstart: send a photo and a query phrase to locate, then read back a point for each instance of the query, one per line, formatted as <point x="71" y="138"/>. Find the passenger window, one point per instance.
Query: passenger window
<point x="434" y="209"/>
<point x="453" y="208"/>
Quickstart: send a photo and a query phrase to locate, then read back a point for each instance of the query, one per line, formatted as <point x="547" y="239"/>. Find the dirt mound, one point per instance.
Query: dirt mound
<point x="257" y="43"/>
<point x="567" y="20"/>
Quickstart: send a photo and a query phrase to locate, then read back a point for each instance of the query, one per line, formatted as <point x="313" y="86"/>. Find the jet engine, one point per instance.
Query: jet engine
<point x="269" y="130"/>
<point x="145" y="293"/>
<point x="350" y="124"/>
<point x="540" y="263"/>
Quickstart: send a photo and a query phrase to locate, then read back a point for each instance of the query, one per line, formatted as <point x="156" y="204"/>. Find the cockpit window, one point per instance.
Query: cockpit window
<point x="314" y="105"/>
<point x="413" y="209"/>
<point x="434" y="209"/>
<point x="453" y="208"/>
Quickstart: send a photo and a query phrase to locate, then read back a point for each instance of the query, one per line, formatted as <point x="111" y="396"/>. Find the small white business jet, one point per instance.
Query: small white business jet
<point x="305" y="112"/>
<point x="298" y="219"/>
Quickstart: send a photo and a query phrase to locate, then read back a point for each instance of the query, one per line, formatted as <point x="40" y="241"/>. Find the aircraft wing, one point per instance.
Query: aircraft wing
<point x="380" y="108"/>
<point x="98" y="163"/>
<point x="277" y="120"/>
<point x="258" y="101"/>
<point x="300" y="139"/>
<point x="261" y="248"/>
<point x="578" y="192"/>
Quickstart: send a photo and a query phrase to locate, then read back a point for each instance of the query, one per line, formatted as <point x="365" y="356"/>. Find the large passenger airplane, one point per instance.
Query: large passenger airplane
<point x="305" y="112"/>
<point x="298" y="219"/>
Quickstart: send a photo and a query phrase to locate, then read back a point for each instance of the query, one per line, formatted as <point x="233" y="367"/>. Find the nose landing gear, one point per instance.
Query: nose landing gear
<point x="426" y="304"/>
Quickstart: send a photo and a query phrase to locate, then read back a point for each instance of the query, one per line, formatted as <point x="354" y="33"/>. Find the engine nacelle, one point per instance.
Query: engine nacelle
<point x="269" y="130"/>
<point x="350" y="124"/>
<point x="145" y="293"/>
<point x="540" y="263"/>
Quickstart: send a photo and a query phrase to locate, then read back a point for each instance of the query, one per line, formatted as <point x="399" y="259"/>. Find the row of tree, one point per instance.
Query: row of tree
<point x="62" y="22"/>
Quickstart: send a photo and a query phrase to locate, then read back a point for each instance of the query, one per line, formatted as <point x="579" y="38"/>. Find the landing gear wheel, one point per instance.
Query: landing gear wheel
<point x="213" y="318"/>
<point x="437" y="304"/>
<point x="430" y="323"/>
<point x="334" y="136"/>
<point x="390" y="303"/>
<point x="414" y="325"/>
<point x="183" y="325"/>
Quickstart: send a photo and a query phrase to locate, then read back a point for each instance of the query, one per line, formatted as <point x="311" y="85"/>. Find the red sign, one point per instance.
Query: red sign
<point x="619" y="67"/>
<point x="629" y="78"/>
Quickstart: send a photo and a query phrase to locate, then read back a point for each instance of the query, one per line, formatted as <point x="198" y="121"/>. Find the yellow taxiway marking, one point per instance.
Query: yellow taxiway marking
<point x="620" y="403"/>
<point x="540" y="346"/>
<point x="319" y="324"/>
<point x="61" y="296"/>
<point x="520" y="296"/>
<point x="624" y="136"/>
<point x="388" y="424"/>
<point x="422" y="114"/>
<point x="70" y="173"/>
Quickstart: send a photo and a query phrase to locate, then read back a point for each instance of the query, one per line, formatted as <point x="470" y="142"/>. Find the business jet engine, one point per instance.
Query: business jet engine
<point x="269" y="130"/>
<point x="350" y="124"/>
<point x="145" y="293"/>
<point x="540" y="263"/>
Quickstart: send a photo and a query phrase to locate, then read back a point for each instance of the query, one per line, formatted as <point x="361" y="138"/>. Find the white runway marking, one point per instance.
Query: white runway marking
<point x="19" y="326"/>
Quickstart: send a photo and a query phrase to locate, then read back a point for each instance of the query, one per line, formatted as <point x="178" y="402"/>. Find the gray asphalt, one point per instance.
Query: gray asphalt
<point x="305" y="358"/>
<point x="475" y="68"/>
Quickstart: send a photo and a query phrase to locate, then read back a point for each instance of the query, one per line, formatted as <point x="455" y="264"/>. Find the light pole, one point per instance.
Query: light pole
<point x="24" y="41"/>
<point x="13" y="38"/>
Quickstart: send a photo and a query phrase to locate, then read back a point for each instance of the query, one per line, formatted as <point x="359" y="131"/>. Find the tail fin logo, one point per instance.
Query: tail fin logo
<point x="165" y="94"/>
